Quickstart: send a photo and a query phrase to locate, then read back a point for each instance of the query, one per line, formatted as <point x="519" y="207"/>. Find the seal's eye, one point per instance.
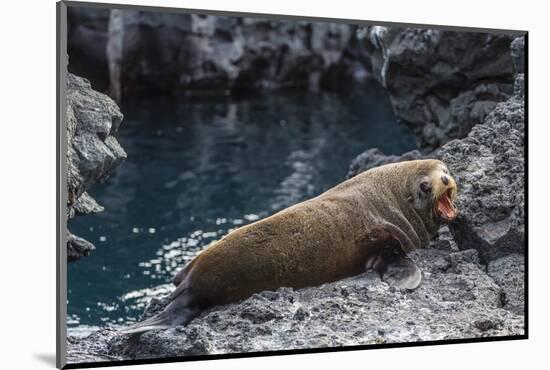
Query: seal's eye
<point x="425" y="186"/>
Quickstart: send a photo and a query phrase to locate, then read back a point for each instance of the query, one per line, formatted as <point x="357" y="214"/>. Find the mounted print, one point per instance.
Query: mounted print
<point x="236" y="184"/>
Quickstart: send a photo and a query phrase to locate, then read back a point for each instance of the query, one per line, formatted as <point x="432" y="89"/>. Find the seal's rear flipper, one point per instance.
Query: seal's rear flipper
<point x="159" y="321"/>
<point x="402" y="273"/>
<point x="178" y="312"/>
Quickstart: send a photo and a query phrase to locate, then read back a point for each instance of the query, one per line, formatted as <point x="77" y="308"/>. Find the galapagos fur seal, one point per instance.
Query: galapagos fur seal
<point x="367" y="222"/>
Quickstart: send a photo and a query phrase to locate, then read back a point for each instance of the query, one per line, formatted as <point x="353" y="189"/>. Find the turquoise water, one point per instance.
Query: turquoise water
<point x="196" y="170"/>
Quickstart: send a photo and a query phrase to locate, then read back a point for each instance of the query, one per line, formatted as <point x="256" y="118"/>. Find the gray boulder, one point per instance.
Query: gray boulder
<point x="77" y="247"/>
<point x="489" y="167"/>
<point x="92" y="151"/>
<point x="441" y="83"/>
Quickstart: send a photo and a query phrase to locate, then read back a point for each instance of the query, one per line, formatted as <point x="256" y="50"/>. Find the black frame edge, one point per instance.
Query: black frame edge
<point x="526" y="181"/>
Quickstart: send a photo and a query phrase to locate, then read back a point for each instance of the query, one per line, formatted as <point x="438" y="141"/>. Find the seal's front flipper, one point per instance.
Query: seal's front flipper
<point x="402" y="273"/>
<point x="386" y="256"/>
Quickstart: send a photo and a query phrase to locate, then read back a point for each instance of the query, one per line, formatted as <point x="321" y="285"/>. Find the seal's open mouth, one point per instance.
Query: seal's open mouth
<point x="445" y="208"/>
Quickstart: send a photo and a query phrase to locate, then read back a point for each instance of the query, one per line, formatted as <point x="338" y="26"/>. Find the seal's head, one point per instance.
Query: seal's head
<point x="434" y="191"/>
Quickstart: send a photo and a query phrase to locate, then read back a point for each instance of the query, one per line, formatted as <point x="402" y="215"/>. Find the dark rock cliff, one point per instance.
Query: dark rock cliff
<point x="441" y="83"/>
<point x="137" y="51"/>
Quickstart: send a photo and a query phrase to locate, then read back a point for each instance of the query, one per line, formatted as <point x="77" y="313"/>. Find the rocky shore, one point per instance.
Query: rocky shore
<point x="469" y="290"/>
<point x="463" y="96"/>
<point x="458" y="298"/>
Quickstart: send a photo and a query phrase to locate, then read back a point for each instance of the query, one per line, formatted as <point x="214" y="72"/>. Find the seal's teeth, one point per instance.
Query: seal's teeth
<point x="446" y="207"/>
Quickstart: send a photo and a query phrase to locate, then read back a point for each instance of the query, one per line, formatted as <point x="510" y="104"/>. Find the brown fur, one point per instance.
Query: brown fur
<point x="320" y="240"/>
